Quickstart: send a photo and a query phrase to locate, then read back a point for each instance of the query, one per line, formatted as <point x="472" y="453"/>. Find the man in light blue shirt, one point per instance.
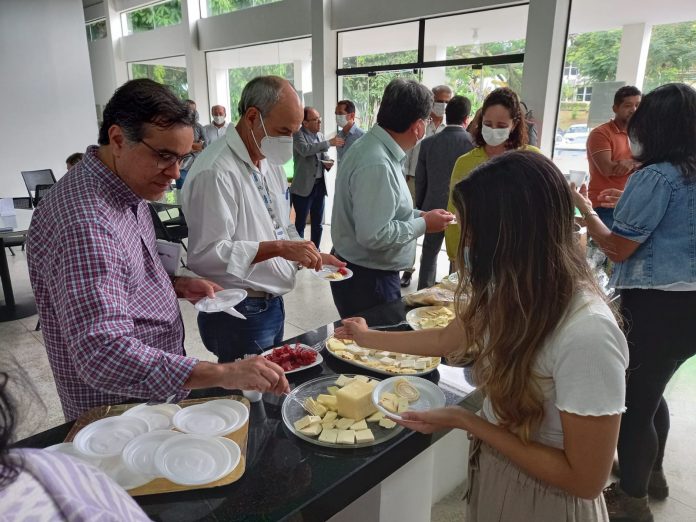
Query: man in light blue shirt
<point x="374" y="226"/>
<point x="350" y="132"/>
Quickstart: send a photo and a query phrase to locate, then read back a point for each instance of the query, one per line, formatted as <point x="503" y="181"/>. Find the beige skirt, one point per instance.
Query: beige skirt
<point x="500" y="492"/>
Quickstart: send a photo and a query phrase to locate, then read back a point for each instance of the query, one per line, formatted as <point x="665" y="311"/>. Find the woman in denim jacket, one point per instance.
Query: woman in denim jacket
<point x="653" y="243"/>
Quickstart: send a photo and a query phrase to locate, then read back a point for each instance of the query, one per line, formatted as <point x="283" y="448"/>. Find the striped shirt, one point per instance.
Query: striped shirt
<point x="110" y="318"/>
<point x="55" y="487"/>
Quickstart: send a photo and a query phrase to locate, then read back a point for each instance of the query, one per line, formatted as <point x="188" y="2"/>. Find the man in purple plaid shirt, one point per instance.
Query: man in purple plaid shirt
<point x="109" y="312"/>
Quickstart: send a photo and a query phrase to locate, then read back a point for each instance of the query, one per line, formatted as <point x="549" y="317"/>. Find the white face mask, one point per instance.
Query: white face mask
<point x="341" y="120"/>
<point x="495" y="137"/>
<point x="439" y="109"/>
<point x="276" y="149"/>
<point x="219" y="119"/>
<point x="636" y="148"/>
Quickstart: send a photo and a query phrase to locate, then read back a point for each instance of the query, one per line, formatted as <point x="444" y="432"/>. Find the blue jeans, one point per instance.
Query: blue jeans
<point x="606" y="215"/>
<point x="231" y="338"/>
<point x="367" y="288"/>
<point x="312" y="205"/>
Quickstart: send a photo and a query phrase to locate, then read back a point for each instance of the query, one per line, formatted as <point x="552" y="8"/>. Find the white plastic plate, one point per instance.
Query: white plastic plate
<point x="414" y="316"/>
<point x="224" y="299"/>
<point x="192" y="460"/>
<point x="139" y="454"/>
<point x="157" y="416"/>
<point x="235" y="453"/>
<point x="201" y="419"/>
<point x="239" y="408"/>
<point x="327" y="270"/>
<point x="125" y="477"/>
<point x="107" y="437"/>
<point x="431" y="396"/>
<point x="68" y="448"/>
<point x="316" y="362"/>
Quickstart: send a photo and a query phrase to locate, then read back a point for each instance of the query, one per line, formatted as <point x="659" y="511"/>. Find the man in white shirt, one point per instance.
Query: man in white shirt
<point x="237" y="207"/>
<point x="218" y="127"/>
<point x="442" y="94"/>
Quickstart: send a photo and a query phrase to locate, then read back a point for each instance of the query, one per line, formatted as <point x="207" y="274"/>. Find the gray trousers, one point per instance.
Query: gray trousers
<point x="432" y="243"/>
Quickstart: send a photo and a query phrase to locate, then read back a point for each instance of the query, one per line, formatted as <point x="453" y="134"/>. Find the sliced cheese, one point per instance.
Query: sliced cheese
<point x="346" y="437"/>
<point x="312" y="431"/>
<point x="314" y="407"/>
<point x="330" y="415"/>
<point x="364" y="436"/>
<point x="360" y="425"/>
<point x="387" y="361"/>
<point x="363" y="378"/>
<point x="302" y="423"/>
<point x="335" y="344"/>
<point x="343" y="380"/>
<point x="344" y="424"/>
<point x="329" y="401"/>
<point x="332" y="389"/>
<point x="387" y="423"/>
<point x="375" y="417"/>
<point x="402" y="406"/>
<point x="329" y="435"/>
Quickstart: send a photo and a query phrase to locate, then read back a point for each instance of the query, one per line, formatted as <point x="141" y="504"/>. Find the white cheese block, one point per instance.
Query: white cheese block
<point x="363" y="378"/>
<point x="387" y="423"/>
<point x="402" y="406"/>
<point x="330" y="415"/>
<point x="420" y="365"/>
<point x="344" y="424"/>
<point x="360" y="425"/>
<point x="387" y="361"/>
<point x="355" y="400"/>
<point x="303" y="423"/>
<point x="364" y="436"/>
<point x="375" y="417"/>
<point x="427" y="360"/>
<point x="346" y="437"/>
<point x="343" y="380"/>
<point x="407" y="363"/>
<point x="313" y="430"/>
<point x="329" y="435"/>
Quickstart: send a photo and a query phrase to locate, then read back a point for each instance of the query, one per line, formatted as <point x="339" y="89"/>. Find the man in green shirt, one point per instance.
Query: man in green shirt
<point x="374" y="226"/>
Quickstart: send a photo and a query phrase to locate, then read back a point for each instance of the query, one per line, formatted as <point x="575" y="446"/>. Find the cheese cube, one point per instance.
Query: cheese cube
<point x="364" y="436"/>
<point x="302" y="423"/>
<point x="329" y="401"/>
<point x="360" y="425"/>
<point x="420" y="365"/>
<point x="348" y="356"/>
<point x="355" y="400"/>
<point x="363" y="378"/>
<point x="313" y="430"/>
<point x="375" y="417"/>
<point x="330" y="415"/>
<point x="346" y="437"/>
<point x="332" y="390"/>
<point x="387" y="361"/>
<point x="335" y="344"/>
<point x="426" y="360"/>
<point x="343" y="380"/>
<point x="383" y="354"/>
<point x="387" y="423"/>
<point x="390" y="396"/>
<point x="344" y="424"/>
<point x="329" y="435"/>
<point x="328" y="424"/>
<point x="389" y="405"/>
<point x="407" y="363"/>
<point x="402" y="406"/>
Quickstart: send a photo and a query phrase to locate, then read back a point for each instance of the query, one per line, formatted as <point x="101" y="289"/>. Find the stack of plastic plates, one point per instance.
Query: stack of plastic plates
<point x="158" y="416"/>
<point x="214" y="418"/>
<point x="107" y="437"/>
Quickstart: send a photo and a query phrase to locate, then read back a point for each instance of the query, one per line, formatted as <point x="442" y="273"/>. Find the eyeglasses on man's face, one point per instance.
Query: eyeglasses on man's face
<point x="167" y="159"/>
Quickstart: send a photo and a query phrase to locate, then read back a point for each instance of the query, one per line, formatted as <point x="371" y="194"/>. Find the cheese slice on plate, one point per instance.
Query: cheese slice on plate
<point x="346" y="437"/>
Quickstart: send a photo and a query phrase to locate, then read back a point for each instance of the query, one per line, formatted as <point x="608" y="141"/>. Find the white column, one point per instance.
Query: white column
<point x="195" y="60"/>
<point x="633" y="54"/>
<point x="433" y="76"/>
<point x="115" y="33"/>
<point x="547" y="34"/>
<point x="324" y="83"/>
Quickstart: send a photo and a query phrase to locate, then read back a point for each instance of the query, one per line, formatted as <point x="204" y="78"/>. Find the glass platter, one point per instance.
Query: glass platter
<point x="292" y="411"/>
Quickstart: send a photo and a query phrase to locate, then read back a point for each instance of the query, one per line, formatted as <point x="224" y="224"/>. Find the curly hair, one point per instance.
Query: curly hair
<point x="508" y="99"/>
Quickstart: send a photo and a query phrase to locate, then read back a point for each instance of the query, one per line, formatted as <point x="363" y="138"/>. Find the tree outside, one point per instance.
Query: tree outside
<point x="173" y="77"/>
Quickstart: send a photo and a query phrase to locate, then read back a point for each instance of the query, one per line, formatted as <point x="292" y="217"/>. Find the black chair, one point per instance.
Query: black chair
<point x="174" y="233"/>
<point x="32" y="178"/>
<point x="17" y="241"/>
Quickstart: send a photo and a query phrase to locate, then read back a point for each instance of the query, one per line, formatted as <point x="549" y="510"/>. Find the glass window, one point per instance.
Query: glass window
<point x="160" y="14"/>
<point x="218" y="7"/>
<point x="671" y="56"/>
<point x="167" y="71"/>
<point x="96" y="30"/>
<point x="392" y="45"/>
<point x="230" y="70"/>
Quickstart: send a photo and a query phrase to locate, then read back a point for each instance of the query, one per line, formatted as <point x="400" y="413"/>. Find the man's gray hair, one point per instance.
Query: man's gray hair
<point x="263" y="92"/>
<point x="443" y="88"/>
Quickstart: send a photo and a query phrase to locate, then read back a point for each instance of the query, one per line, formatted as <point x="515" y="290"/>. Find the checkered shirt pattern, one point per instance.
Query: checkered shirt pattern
<point x="110" y="318"/>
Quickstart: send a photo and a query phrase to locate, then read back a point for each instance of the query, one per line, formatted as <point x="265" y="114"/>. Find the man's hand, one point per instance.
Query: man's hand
<point x="255" y="374"/>
<point x="608" y="198"/>
<point x="303" y="252"/>
<point x="194" y="289"/>
<point x="437" y="220"/>
<point x="337" y="142"/>
<point x="328" y="259"/>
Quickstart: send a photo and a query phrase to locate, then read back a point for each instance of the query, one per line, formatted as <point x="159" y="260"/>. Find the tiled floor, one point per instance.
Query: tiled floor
<point x="307" y="307"/>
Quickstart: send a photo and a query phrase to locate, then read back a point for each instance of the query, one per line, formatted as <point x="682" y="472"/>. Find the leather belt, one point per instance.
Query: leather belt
<point x="257" y="293"/>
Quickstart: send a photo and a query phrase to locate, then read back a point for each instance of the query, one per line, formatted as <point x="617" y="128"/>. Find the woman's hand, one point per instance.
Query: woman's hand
<point x="608" y="198"/>
<point x="435" y="420"/>
<point x="580" y="199"/>
<point x="353" y="328"/>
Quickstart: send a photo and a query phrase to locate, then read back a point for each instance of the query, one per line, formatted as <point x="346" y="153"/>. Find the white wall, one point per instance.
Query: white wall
<point x="48" y="102"/>
<point x="101" y="63"/>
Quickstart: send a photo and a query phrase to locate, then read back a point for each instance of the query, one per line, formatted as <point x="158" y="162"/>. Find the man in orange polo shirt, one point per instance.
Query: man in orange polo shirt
<point x="609" y="153"/>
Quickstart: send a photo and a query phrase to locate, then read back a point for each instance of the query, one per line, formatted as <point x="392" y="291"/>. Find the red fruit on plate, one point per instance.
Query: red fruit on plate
<point x="342" y="271"/>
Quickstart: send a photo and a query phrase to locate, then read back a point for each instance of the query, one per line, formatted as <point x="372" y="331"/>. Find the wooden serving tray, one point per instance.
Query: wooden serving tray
<point x="162" y="485"/>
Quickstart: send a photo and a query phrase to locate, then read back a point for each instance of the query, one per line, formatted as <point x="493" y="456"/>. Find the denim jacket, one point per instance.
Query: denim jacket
<point x="657" y="210"/>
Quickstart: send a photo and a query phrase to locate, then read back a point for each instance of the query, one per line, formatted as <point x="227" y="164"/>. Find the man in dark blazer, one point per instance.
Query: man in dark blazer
<point x="438" y="154"/>
<point x="308" y="188"/>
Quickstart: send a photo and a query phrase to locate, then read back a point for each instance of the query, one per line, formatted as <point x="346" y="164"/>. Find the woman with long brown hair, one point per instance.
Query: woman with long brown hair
<point x="549" y="355"/>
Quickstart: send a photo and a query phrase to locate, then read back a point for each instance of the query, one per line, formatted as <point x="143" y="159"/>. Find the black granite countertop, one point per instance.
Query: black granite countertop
<point x="287" y="478"/>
